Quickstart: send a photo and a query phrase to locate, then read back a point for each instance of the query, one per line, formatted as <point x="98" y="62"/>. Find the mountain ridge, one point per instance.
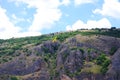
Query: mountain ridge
<point x="73" y="55"/>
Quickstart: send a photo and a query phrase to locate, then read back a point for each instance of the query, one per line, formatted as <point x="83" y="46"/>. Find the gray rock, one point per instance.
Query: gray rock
<point x="114" y="71"/>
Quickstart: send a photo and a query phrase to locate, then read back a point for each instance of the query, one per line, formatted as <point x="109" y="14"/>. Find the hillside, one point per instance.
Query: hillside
<point x="74" y="55"/>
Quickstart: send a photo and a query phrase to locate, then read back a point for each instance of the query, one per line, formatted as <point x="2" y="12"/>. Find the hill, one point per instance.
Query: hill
<point x="74" y="55"/>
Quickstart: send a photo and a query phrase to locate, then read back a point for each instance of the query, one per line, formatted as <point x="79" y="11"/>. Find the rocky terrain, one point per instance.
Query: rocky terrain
<point x="74" y="55"/>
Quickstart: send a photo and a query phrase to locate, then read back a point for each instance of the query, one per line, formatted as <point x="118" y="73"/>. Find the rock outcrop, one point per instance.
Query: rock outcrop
<point x="114" y="71"/>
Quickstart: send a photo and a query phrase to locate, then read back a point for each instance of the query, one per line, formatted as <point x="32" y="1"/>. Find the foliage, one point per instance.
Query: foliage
<point x="62" y="36"/>
<point x="5" y="60"/>
<point x="51" y="61"/>
<point x="14" y="78"/>
<point x="103" y="61"/>
<point x="113" y="50"/>
<point x="9" y="47"/>
<point x="54" y="39"/>
<point x="100" y="60"/>
<point x="82" y="50"/>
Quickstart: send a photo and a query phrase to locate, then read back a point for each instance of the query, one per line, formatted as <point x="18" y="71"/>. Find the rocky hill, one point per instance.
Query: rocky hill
<point x="73" y="55"/>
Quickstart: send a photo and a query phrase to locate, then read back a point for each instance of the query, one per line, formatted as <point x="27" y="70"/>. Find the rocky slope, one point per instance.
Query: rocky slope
<point x="92" y="57"/>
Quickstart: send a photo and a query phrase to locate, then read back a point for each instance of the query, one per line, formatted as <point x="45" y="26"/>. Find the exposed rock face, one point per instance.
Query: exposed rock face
<point x="102" y="43"/>
<point x="50" y="47"/>
<point x="74" y="61"/>
<point x="63" y="52"/>
<point x="67" y="59"/>
<point x="46" y="47"/>
<point x="21" y="68"/>
<point x="114" y="71"/>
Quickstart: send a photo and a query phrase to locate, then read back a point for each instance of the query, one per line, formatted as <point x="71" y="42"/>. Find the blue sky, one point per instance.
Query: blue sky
<point x="20" y="18"/>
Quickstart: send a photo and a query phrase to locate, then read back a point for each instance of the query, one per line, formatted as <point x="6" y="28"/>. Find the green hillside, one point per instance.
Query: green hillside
<point x="79" y="55"/>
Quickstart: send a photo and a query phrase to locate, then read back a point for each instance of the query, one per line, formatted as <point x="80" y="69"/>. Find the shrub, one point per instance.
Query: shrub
<point x="5" y="60"/>
<point x="101" y="59"/>
<point x="113" y="50"/>
<point x="13" y="78"/>
<point x="104" y="62"/>
<point x="82" y="50"/>
<point x="104" y="70"/>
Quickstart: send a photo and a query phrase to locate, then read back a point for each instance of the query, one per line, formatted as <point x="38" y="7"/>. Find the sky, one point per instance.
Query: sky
<point x="21" y="18"/>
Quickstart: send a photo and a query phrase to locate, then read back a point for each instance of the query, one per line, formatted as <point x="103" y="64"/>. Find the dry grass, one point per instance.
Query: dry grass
<point x="81" y="38"/>
<point x="91" y="67"/>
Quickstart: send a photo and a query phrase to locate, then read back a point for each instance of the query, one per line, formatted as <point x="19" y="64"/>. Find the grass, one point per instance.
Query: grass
<point x="9" y="77"/>
<point x="91" y="67"/>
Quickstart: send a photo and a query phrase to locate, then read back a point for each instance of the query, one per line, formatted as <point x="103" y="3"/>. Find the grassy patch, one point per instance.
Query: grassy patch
<point x="91" y="67"/>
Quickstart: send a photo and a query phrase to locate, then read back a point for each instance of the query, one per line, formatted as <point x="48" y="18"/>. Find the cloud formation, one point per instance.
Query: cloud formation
<point x="37" y="15"/>
<point x="103" y="23"/>
<point x="9" y="30"/>
<point x="47" y="13"/>
<point x="109" y="8"/>
<point x="79" y="2"/>
<point x="65" y="2"/>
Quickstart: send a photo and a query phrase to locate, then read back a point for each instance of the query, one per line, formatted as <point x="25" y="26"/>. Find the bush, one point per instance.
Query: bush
<point x="13" y="78"/>
<point x="113" y="50"/>
<point x="104" y="62"/>
<point x="5" y="60"/>
<point x="101" y="59"/>
<point x="104" y="70"/>
<point x="82" y="50"/>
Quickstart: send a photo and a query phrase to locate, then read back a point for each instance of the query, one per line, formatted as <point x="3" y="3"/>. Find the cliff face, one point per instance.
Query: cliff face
<point x="114" y="71"/>
<point x="77" y="58"/>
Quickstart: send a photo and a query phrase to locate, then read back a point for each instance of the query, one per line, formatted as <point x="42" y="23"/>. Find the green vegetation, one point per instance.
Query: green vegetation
<point x="105" y="66"/>
<point x="14" y="47"/>
<point x="76" y="73"/>
<point x="51" y="61"/>
<point x="54" y="39"/>
<point x="103" y="61"/>
<point x="13" y="44"/>
<point x="100" y="60"/>
<point x="62" y="36"/>
<point x="113" y="50"/>
<point x="14" y="78"/>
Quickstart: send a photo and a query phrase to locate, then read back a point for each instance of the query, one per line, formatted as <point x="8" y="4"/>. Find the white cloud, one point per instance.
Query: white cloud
<point x="47" y="12"/>
<point x="25" y="34"/>
<point x="66" y="2"/>
<point x="110" y="8"/>
<point x="79" y="2"/>
<point x="44" y="18"/>
<point x="103" y="23"/>
<point x="9" y="30"/>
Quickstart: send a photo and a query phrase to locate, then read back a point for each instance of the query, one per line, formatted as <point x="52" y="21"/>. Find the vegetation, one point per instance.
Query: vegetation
<point x="113" y="50"/>
<point x="91" y="67"/>
<point x="103" y="61"/>
<point x="21" y="49"/>
<point x="14" y="78"/>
